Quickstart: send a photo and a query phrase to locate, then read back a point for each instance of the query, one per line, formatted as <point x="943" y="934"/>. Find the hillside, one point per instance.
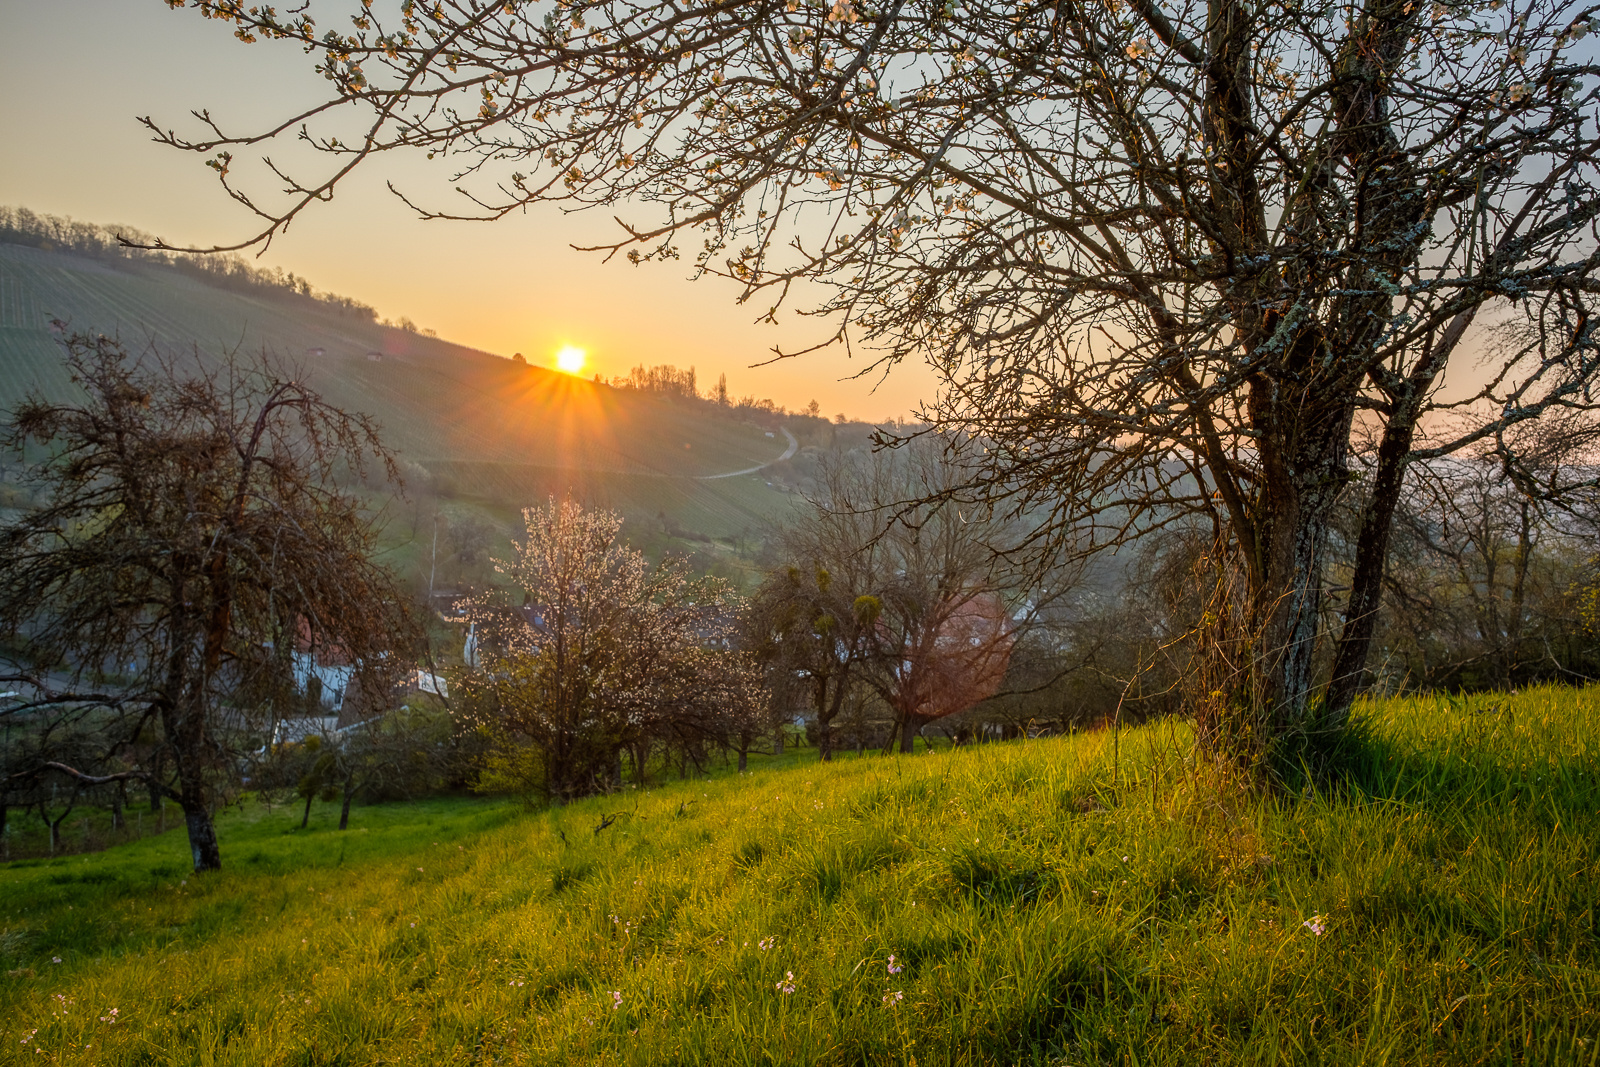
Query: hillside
<point x="1084" y="900"/>
<point x="486" y="426"/>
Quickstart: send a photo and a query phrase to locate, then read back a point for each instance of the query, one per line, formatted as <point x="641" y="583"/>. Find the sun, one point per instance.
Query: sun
<point x="570" y="359"/>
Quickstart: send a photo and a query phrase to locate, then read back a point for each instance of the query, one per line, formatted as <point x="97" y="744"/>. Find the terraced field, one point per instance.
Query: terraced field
<point x="499" y="430"/>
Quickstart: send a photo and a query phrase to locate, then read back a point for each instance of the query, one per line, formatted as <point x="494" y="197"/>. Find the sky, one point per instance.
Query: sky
<point x="76" y="74"/>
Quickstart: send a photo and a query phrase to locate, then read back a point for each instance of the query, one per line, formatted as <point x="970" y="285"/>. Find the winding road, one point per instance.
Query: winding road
<point x="794" y="446"/>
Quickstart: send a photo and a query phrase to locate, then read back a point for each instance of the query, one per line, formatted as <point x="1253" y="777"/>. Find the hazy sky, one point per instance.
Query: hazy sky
<point x="75" y="74"/>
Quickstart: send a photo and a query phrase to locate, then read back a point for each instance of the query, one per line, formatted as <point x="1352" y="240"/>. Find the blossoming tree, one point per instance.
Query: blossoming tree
<point x="595" y="652"/>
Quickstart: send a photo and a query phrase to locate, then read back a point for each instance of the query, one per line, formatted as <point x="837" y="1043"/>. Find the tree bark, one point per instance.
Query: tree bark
<point x="186" y="734"/>
<point x="344" y="810"/>
<point x="1372" y="545"/>
<point x="203" y="839"/>
<point x="1301" y="485"/>
<point x="908" y="735"/>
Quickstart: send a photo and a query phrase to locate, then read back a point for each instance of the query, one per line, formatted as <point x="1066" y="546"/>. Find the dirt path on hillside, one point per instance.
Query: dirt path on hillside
<point x="788" y="453"/>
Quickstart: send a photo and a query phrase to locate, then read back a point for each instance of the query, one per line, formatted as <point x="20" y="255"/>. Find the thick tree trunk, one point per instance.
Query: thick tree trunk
<point x="202" y="839"/>
<point x="194" y="797"/>
<point x="187" y="737"/>
<point x="183" y="720"/>
<point x="908" y="735"/>
<point x="1300" y="491"/>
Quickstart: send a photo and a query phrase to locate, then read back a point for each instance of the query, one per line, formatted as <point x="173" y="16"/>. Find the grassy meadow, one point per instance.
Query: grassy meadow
<point x="1082" y="900"/>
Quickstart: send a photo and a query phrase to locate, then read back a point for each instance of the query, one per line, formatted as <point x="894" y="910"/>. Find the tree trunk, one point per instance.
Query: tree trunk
<point x="1300" y="486"/>
<point x="202" y="839"/>
<point x="1366" y="582"/>
<point x="344" y="810"/>
<point x="827" y="711"/>
<point x="744" y="758"/>
<point x="908" y="735"/>
<point x="1291" y="604"/>
<point x="44" y="817"/>
<point x="184" y="722"/>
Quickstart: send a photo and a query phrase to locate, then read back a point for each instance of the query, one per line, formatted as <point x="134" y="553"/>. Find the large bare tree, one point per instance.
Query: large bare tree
<point x="1171" y="259"/>
<point x="187" y="529"/>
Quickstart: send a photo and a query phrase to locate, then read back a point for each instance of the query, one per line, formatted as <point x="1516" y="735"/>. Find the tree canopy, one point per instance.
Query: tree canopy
<point x="188" y="531"/>
<point x="1175" y="263"/>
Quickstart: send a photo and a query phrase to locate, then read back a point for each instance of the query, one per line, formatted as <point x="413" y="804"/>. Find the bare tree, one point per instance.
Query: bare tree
<point x="891" y="589"/>
<point x="1168" y="260"/>
<point x="944" y="637"/>
<point x="188" y="527"/>
<point x="954" y="654"/>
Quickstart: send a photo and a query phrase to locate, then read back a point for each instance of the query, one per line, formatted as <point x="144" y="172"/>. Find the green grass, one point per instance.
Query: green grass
<point x="1046" y="906"/>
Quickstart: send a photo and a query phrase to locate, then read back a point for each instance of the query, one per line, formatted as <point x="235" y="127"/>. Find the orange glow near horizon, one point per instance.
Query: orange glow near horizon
<point x="518" y="285"/>
<point x="571" y="359"/>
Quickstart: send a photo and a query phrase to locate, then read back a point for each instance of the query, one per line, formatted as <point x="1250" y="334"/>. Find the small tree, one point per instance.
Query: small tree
<point x="954" y="653"/>
<point x="404" y="753"/>
<point x="889" y="593"/>
<point x="815" y="634"/>
<point x="189" y="526"/>
<point x="603" y="653"/>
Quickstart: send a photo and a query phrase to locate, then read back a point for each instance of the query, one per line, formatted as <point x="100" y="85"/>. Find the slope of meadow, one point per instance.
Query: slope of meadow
<point x="1082" y="900"/>
<point x="485" y="424"/>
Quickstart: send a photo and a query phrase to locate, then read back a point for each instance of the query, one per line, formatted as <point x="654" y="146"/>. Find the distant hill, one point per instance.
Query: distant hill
<point x="481" y="425"/>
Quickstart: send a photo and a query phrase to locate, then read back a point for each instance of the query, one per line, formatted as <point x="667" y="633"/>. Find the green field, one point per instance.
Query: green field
<point x="1085" y="900"/>
<point x="504" y="431"/>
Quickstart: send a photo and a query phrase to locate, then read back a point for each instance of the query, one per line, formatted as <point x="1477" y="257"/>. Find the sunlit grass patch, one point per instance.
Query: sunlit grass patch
<point x="1019" y="903"/>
